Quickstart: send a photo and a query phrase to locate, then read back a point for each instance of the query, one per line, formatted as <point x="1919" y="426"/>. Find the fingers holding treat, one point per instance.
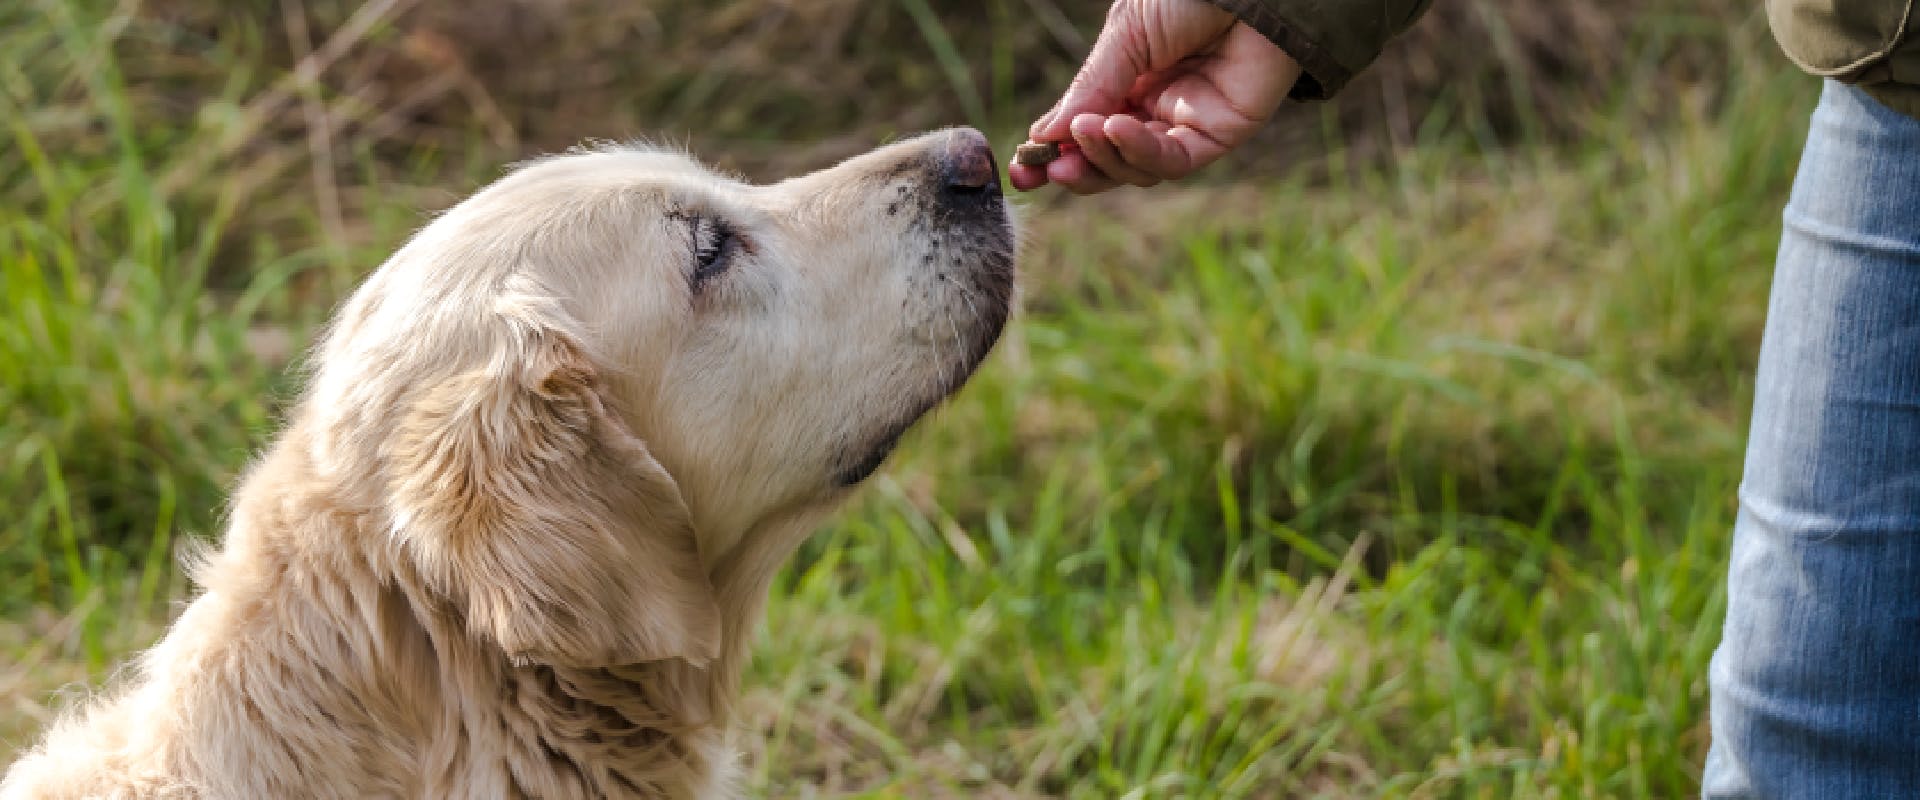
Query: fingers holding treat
<point x="1029" y="168"/>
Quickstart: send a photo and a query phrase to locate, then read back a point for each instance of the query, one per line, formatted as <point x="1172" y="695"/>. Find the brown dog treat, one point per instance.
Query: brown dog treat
<point x="1034" y="155"/>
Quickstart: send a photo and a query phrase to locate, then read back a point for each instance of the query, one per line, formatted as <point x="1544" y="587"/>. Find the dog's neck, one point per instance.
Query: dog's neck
<point x="390" y="659"/>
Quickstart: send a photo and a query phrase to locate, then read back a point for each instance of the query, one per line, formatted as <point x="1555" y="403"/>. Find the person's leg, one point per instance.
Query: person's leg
<point x="1816" y="684"/>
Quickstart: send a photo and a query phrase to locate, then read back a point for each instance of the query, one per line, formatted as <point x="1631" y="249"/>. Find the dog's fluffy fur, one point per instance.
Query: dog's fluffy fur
<point x="516" y="536"/>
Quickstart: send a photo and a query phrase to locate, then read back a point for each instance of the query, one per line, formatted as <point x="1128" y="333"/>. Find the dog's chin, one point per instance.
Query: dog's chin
<point x="867" y="461"/>
<point x="859" y="462"/>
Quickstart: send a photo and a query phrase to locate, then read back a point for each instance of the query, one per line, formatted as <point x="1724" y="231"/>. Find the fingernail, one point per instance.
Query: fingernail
<point x="1085" y="126"/>
<point x="1039" y="128"/>
<point x="1048" y="123"/>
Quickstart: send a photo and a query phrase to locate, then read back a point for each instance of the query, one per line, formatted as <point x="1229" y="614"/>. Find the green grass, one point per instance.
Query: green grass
<point x="1411" y="480"/>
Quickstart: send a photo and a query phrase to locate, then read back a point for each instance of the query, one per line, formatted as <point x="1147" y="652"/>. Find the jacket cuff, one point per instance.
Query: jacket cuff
<point x="1321" y="76"/>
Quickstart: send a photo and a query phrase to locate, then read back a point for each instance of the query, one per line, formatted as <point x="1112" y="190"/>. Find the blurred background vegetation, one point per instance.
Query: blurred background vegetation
<point x="1394" y="456"/>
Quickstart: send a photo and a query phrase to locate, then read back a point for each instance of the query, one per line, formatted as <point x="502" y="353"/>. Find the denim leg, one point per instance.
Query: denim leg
<point x="1816" y="683"/>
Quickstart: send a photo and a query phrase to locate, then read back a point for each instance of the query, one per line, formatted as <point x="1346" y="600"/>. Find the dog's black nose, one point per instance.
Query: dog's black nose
<point x="967" y="170"/>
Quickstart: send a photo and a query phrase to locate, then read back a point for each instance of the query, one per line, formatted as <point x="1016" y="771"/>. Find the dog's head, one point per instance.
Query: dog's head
<point x="576" y="390"/>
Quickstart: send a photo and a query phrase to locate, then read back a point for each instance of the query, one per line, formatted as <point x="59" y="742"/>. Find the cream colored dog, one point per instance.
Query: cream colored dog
<point x="516" y="538"/>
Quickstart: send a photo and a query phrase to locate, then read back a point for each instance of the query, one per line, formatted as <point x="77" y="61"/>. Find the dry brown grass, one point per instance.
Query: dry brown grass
<point x="769" y="87"/>
<point x="287" y="111"/>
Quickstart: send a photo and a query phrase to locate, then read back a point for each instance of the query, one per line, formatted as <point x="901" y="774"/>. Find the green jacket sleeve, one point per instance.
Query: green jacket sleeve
<point x="1332" y="39"/>
<point x="1872" y="43"/>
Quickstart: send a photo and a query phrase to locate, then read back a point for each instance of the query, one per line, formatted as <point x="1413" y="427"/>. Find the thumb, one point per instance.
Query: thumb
<point x="1101" y="85"/>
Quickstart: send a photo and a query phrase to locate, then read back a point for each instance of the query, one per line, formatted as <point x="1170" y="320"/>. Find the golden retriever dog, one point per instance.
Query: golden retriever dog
<point x="517" y="534"/>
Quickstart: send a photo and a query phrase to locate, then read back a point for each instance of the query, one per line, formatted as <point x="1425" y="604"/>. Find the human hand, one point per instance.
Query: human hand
<point x="1170" y="87"/>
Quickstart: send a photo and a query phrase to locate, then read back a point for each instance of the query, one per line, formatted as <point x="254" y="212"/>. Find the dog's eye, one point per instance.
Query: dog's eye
<point x="713" y="246"/>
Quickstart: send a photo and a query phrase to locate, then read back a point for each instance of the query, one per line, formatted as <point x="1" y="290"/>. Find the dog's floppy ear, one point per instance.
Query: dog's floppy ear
<point x="534" y="510"/>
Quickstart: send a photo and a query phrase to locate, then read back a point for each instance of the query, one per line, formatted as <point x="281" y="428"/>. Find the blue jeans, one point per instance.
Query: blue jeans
<point x="1816" y="684"/>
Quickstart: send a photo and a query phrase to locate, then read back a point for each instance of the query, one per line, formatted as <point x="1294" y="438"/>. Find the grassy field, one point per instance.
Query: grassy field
<point x="1372" y="477"/>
